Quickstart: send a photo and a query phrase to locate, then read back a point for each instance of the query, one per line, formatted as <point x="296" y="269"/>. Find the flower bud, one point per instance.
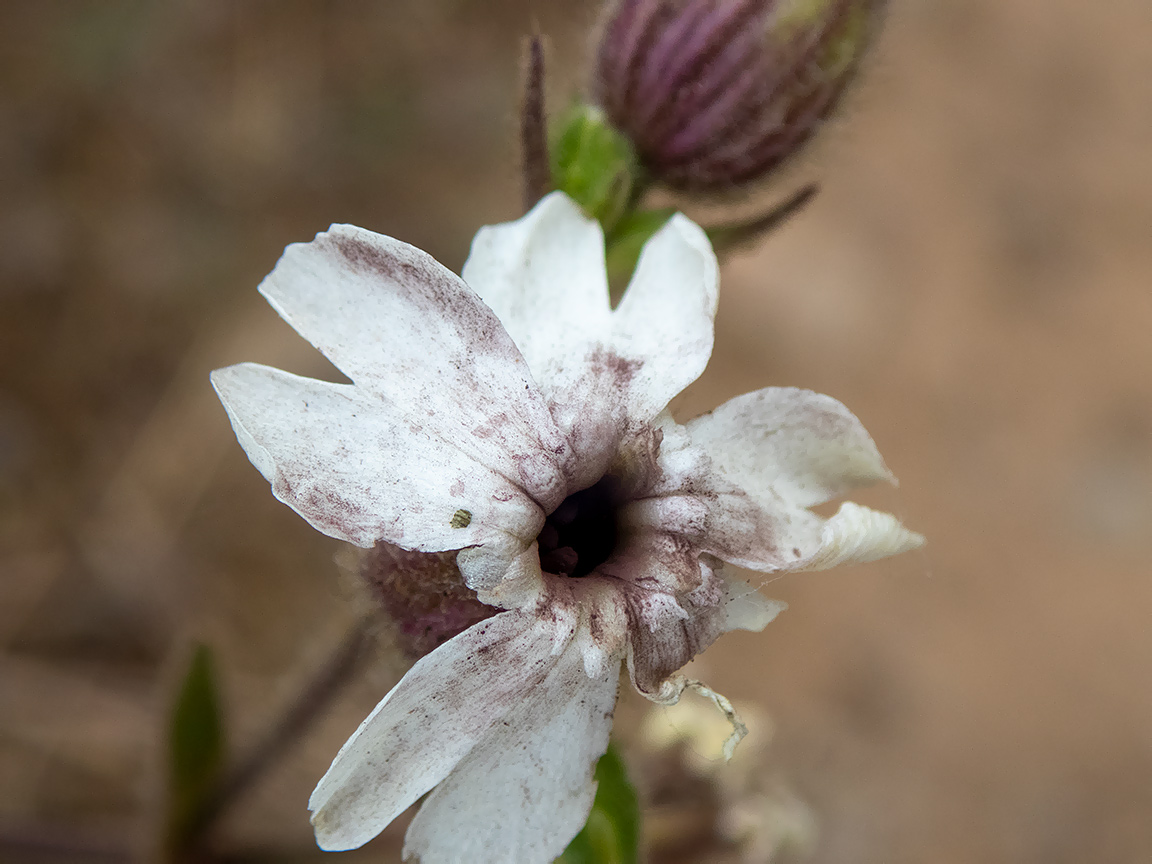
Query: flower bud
<point x="715" y="94"/>
<point x="424" y="595"/>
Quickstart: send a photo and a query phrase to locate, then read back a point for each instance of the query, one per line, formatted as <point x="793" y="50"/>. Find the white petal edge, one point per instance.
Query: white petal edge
<point x="429" y="722"/>
<point x="806" y="446"/>
<point x="522" y="794"/>
<point x="745" y="608"/>
<point x="410" y="331"/>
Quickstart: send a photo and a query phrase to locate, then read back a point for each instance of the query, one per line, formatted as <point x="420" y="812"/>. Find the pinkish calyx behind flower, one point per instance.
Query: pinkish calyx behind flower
<point x="423" y="594"/>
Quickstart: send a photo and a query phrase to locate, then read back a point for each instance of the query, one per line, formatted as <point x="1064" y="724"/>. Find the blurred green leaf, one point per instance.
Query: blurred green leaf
<point x="612" y="833"/>
<point x="195" y="744"/>
<point x="594" y="164"/>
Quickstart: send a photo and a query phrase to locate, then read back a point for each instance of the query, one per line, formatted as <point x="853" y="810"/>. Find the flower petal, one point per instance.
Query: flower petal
<point x="428" y="723"/>
<point x="769" y="534"/>
<point x="525" y="790"/>
<point x="543" y="275"/>
<point x="745" y="608"/>
<point x="336" y="456"/>
<point x="752" y="512"/>
<point x="722" y="603"/>
<point x="805" y="446"/>
<point x="666" y="315"/>
<point x="602" y="371"/>
<point x="410" y="331"/>
<point x="663" y="642"/>
<point x="858" y="534"/>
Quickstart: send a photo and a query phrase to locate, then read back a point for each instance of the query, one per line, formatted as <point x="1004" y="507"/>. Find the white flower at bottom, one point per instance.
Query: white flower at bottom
<point x="513" y="415"/>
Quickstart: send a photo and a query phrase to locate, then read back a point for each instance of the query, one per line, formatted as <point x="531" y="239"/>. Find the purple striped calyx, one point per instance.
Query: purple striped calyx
<point x="716" y="94"/>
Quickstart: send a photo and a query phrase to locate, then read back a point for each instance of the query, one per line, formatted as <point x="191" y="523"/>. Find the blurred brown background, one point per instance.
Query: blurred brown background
<point x="974" y="283"/>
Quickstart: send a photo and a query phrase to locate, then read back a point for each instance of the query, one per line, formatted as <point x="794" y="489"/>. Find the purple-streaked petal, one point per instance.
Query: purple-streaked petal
<point x="447" y="703"/>
<point x="661" y="644"/>
<point x="357" y="471"/>
<point x="770" y="534"/>
<point x="805" y="446"/>
<point x="524" y="791"/>
<point x="737" y="483"/>
<point x="408" y="330"/>
<point x="602" y="371"/>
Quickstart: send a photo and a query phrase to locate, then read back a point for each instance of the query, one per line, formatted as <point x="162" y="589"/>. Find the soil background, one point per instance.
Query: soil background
<point x="973" y="281"/>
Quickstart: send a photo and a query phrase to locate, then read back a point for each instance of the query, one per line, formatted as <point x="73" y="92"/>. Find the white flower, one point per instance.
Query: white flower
<point x="513" y="415"/>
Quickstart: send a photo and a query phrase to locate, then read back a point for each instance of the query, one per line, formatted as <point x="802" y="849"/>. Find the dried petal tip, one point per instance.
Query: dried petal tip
<point x="715" y="94"/>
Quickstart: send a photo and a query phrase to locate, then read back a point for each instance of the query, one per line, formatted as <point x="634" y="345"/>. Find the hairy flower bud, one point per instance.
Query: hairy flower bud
<point x="715" y="94"/>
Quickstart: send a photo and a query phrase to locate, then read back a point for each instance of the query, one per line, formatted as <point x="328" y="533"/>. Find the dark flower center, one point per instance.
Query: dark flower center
<point x="581" y="533"/>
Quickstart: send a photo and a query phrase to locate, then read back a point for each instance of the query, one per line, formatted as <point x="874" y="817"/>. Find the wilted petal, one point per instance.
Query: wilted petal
<point x="345" y="462"/>
<point x="656" y="561"/>
<point x="805" y="446"/>
<point x="410" y="331"/>
<point x="769" y="534"/>
<point x="660" y="646"/>
<point x="525" y="790"/>
<point x="858" y="534"/>
<point x="737" y="484"/>
<point x="429" y="722"/>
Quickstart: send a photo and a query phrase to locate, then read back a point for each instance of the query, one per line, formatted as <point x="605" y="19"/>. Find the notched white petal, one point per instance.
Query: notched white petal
<point x="665" y="317"/>
<point x="806" y="447"/>
<point x="856" y="535"/>
<point x="413" y="333"/>
<point x="604" y="372"/>
<point x="357" y="471"/>
<point x="428" y="723"/>
<point x="543" y="275"/>
<point x="524" y="791"/>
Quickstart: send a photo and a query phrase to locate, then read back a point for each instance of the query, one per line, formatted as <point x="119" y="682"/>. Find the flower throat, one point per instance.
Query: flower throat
<point x="580" y="534"/>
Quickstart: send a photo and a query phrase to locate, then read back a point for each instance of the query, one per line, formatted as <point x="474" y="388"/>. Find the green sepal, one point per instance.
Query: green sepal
<point x="612" y="833"/>
<point x="594" y="164"/>
<point x="196" y="745"/>
<point x="625" y="242"/>
<point x="735" y="235"/>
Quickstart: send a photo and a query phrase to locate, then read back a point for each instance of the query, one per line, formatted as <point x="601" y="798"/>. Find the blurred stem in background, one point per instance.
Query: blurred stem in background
<point x="200" y="789"/>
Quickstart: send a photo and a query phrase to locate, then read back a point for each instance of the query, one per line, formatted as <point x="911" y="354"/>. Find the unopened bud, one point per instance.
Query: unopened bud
<point x="715" y="94"/>
<point x="424" y="595"/>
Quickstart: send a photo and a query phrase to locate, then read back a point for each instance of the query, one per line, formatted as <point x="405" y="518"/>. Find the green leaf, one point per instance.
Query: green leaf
<point x="195" y="744"/>
<point x="612" y="833"/>
<point x="625" y="242"/>
<point x="594" y="164"/>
